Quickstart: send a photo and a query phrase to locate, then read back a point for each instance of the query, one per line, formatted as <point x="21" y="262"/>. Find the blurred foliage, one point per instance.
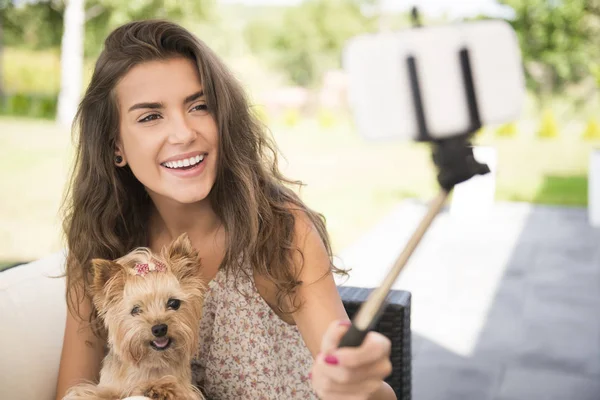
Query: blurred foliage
<point x="480" y="132"/>
<point x="548" y="126"/>
<point x="592" y="130"/>
<point x="38" y="25"/>
<point x="105" y="15"/>
<point x="31" y="39"/>
<point x="559" y="41"/>
<point x="507" y="130"/>
<point x="41" y="106"/>
<point x="326" y="118"/>
<point x="31" y="71"/>
<point x="291" y="117"/>
<point x="261" y="113"/>
<point x="308" y="39"/>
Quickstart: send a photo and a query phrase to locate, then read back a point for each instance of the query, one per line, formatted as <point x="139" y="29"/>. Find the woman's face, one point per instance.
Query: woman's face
<point x="167" y="135"/>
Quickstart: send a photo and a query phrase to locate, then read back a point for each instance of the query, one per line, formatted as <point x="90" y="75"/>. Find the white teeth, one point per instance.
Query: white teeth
<point x="185" y="162"/>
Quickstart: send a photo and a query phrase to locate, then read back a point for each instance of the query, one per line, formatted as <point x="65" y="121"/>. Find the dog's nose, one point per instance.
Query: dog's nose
<point x="159" y="330"/>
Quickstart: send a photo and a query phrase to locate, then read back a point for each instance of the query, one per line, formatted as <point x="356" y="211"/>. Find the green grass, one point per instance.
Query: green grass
<point x="33" y="172"/>
<point x="29" y="71"/>
<point x="354" y="183"/>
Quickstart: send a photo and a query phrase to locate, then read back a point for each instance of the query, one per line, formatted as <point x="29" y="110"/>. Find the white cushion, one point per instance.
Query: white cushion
<point x="32" y="323"/>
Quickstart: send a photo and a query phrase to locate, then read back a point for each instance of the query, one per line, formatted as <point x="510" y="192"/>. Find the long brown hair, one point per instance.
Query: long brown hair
<point x="107" y="209"/>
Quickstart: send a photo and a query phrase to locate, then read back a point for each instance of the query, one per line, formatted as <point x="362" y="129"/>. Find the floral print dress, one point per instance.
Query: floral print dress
<point x="246" y="350"/>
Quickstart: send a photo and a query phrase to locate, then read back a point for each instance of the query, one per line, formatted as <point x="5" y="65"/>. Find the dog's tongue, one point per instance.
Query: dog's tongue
<point x="161" y="342"/>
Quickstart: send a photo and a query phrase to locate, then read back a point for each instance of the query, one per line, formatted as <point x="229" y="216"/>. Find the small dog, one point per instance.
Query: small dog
<point x="151" y="306"/>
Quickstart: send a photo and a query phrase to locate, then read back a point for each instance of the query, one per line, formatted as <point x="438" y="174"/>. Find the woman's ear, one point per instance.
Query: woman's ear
<point x="120" y="160"/>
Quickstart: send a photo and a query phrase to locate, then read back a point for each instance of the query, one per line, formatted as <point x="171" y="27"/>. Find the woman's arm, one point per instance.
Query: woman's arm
<point x="318" y="320"/>
<point x="82" y="352"/>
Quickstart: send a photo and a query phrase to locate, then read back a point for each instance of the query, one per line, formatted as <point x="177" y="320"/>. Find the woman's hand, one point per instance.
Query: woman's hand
<point x="350" y="372"/>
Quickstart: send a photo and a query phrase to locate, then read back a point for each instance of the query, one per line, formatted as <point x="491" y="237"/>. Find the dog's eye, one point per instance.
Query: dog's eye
<point x="173" y="304"/>
<point x="136" y="310"/>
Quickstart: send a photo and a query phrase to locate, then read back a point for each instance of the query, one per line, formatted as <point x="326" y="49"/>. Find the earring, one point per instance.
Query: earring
<point x="118" y="160"/>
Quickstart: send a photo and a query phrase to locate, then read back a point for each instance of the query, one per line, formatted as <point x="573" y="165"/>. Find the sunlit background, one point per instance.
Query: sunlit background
<point x="287" y="54"/>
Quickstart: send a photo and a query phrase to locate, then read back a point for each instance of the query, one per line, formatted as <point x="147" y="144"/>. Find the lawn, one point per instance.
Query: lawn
<point x="352" y="182"/>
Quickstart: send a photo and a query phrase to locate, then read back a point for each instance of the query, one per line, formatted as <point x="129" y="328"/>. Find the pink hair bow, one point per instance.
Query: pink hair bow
<point x="153" y="266"/>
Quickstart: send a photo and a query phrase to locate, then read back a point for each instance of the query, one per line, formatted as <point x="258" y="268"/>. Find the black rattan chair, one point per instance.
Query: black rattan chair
<point x="394" y="324"/>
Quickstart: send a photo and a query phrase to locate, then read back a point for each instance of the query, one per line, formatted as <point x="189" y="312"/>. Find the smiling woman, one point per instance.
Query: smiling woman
<point x="168" y="145"/>
<point x="166" y="125"/>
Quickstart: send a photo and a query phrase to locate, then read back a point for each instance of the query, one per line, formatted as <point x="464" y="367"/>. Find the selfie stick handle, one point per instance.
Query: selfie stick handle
<point x="369" y="313"/>
<point x="456" y="163"/>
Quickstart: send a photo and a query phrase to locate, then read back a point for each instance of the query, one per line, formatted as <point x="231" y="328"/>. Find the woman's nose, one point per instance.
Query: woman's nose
<point x="182" y="132"/>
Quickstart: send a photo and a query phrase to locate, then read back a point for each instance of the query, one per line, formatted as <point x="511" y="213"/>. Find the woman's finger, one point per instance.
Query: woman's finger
<point x="375" y="347"/>
<point x="333" y="335"/>
<point x="324" y="384"/>
<point x="328" y="388"/>
<point x="378" y="370"/>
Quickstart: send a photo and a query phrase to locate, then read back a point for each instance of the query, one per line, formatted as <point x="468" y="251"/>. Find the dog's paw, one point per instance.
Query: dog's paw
<point x="91" y="392"/>
<point x="167" y="388"/>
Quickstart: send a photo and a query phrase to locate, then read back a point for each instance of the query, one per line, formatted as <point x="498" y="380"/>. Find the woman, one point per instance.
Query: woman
<point x="168" y="144"/>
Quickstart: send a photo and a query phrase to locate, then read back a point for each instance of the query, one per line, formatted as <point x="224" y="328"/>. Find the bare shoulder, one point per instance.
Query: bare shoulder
<point x="311" y="259"/>
<point x="319" y="299"/>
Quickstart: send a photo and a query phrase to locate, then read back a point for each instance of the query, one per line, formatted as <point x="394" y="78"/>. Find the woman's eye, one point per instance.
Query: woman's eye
<point x="173" y="304"/>
<point x="136" y="310"/>
<point x="150" y="117"/>
<point x="200" y="107"/>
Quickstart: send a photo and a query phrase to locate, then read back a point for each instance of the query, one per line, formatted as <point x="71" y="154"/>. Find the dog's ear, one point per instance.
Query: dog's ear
<point x="182" y="257"/>
<point x="181" y="248"/>
<point x="102" y="271"/>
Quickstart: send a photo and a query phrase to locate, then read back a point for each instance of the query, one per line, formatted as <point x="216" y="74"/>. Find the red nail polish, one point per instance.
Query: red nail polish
<point x="331" y="360"/>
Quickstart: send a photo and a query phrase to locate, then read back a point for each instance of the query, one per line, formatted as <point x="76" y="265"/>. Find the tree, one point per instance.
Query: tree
<point x="71" y="62"/>
<point x="558" y="39"/>
<point x="115" y="12"/>
<point x="309" y="38"/>
<point x="3" y="7"/>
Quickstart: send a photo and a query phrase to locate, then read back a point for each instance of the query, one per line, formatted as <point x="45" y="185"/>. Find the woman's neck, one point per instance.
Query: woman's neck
<point x="170" y="219"/>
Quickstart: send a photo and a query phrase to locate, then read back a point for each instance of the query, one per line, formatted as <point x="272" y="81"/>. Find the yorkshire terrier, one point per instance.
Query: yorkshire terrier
<point x="151" y="306"/>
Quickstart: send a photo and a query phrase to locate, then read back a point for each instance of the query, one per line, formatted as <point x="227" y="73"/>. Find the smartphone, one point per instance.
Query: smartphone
<point x="379" y="80"/>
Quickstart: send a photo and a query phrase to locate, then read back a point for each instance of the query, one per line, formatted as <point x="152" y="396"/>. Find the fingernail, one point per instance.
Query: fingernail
<point x="345" y="323"/>
<point x="331" y="360"/>
<point x="310" y="375"/>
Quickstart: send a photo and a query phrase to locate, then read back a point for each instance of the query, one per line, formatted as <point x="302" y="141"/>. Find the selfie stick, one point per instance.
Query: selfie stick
<point x="455" y="162"/>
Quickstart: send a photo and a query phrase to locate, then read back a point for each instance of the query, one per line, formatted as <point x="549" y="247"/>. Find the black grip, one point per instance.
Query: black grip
<point x="353" y="337"/>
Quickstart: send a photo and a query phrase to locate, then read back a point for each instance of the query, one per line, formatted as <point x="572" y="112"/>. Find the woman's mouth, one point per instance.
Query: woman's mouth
<point x="187" y="167"/>
<point x="185" y="164"/>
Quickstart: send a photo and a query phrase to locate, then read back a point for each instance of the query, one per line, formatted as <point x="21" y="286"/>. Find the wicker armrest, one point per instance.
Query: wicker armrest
<point x="394" y="324"/>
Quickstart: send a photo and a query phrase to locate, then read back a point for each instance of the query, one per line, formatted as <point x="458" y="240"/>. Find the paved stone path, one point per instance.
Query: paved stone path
<point x="505" y="306"/>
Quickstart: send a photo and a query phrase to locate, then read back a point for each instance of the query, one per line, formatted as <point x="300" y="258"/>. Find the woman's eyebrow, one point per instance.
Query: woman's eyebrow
<point x="157" y="105"/>
<point x="194" y="96"/>
<point x="145" y="105"/>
